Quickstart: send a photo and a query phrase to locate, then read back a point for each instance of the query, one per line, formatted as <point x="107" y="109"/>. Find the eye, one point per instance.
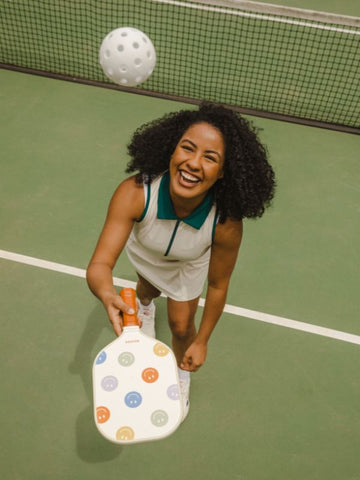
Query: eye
<point x="187" y="148"/>
<point x="211" y="158"/>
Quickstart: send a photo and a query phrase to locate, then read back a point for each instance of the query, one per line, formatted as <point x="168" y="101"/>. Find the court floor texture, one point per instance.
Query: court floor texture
<point x="279" y="395"/>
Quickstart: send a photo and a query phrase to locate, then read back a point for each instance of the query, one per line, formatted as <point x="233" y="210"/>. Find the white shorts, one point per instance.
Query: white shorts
<point x="177" y="279"/>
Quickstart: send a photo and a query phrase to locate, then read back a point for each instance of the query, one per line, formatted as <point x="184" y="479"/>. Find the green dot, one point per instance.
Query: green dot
<point x="159" y="418"/>
<point x="126" y="359"/>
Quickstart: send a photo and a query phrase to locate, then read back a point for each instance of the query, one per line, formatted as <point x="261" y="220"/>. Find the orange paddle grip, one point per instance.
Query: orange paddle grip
<point x="128" y="295"/>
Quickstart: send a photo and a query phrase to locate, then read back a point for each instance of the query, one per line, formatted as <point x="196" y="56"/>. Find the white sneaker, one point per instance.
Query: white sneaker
<point x="185" y="396"/>
<point x="147" y="316"/>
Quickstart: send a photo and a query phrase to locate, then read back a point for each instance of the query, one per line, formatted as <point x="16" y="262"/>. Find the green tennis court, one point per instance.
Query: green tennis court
<point x="271" y="402"/>
<point x="278" y="398"/>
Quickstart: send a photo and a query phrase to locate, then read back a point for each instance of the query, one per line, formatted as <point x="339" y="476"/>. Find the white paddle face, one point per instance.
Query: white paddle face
<point x="136" y="389"/>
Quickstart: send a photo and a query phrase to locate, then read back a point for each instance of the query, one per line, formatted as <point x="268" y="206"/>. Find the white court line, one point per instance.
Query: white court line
<point x="242" y="312"/>
<point x="259" y="16"/>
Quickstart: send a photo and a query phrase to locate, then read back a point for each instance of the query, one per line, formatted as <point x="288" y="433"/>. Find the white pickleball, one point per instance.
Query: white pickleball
<point x="127" y="56"/>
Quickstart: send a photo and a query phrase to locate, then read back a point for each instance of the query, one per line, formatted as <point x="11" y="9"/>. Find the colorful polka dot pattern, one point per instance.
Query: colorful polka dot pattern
<point x="125" y="388"/>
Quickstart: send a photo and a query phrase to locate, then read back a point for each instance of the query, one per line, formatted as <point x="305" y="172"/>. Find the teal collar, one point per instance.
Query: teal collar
<point x="166" y="210"/>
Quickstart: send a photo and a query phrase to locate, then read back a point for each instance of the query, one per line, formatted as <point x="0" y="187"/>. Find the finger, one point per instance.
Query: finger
<point x="115" y="318"/>
<point x="124" y="307"/>
<point x="186" y="363"/>
<point x="189" y="365"/>
<point x="117" y="327"/>
<point x="184" y="366"/>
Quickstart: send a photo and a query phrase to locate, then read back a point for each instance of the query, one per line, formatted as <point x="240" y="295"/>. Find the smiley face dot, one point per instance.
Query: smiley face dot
<point x="126" y="359"/>
<point x="160" y="349"/>
<point x="173" y="392"/>
<point x="150" y="375"/>
<point x="109" y="383"/>
<point x="102" y="414"/>
<point x="159" y="418"/>
<point x="101" y="358"/>
<point x="125" y="434"/>
<point x="133" y="399"/>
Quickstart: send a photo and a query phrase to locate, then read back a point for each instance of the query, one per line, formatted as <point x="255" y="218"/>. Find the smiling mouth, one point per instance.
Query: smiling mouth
<point x="188" y="178"/>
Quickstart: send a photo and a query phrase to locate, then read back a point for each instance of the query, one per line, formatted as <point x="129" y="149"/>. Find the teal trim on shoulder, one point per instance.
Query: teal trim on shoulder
<point x="147" y="202"/>
<point x="166" y="210"/>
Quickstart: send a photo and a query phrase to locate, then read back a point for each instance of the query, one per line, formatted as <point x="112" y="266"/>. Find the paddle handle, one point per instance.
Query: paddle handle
<point x="128" y="295"/>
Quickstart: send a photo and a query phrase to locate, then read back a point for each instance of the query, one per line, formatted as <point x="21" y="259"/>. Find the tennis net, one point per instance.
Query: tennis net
<point x="284" y="63"/>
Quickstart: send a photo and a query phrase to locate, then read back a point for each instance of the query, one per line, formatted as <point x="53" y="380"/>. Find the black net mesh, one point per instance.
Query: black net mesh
<point x="272" y="63"/>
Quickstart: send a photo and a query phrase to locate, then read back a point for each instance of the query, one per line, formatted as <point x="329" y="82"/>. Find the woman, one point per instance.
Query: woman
<point x="199" y="173"/>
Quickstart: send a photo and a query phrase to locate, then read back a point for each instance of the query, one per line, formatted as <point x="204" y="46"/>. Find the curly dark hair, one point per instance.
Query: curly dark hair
<point x="248" y="184"/>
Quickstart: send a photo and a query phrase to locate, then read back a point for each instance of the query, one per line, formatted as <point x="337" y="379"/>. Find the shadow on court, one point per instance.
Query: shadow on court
<point x="90" y="445"/>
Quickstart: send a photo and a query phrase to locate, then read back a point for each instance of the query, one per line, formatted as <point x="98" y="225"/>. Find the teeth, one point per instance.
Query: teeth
<point x="189" y="177"/>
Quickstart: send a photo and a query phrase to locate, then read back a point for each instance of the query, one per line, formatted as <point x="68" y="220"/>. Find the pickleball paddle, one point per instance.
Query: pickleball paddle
<point x="136" y="385"/>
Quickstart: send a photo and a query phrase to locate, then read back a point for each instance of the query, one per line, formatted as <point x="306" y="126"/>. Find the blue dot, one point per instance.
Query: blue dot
<point x="133" y="399"/>
<point x="101" y="358"/>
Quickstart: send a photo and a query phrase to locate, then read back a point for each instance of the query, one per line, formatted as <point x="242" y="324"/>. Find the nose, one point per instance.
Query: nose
<point x="194" y="161"/>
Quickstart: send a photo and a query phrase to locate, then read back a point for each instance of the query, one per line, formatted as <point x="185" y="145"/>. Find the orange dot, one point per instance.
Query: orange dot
<point x="102" y="414"/>
<point x="150" y="375"/>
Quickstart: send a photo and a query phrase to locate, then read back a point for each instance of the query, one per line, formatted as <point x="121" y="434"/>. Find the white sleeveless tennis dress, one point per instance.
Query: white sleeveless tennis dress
<point x="172" y="253"/>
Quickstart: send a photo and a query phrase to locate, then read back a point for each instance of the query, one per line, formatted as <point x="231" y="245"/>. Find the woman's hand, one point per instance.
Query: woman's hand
<point x="114" y="305"/>
<point x="194" y="357"/>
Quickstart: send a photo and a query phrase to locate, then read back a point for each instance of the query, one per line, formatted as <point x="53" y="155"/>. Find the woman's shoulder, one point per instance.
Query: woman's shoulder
<point x="228" y="232"/>
<point x="129" y="186"/>
<point x="129" y="195"/>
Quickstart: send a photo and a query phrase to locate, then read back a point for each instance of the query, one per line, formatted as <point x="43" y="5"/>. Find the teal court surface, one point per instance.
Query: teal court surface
<point x="278" y="397"/>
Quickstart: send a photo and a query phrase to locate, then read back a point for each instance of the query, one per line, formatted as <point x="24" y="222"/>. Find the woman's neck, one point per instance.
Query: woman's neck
<point x="185" y="206"/>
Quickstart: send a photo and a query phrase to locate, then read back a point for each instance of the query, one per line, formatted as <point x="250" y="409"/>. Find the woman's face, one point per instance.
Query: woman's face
<point x="197" y="162"/>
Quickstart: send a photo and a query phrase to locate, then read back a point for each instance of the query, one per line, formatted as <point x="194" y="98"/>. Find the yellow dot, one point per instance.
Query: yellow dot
<point x="160" y="349"/>
<point x="125" y="434"/>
